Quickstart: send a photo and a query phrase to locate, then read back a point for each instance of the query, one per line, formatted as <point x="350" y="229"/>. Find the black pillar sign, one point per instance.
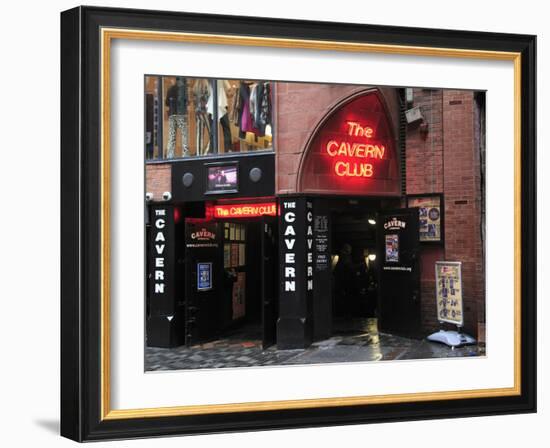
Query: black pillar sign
<point x="162" y="260"/>
<point x="294" y="325"/>
<point x="309" y="243"/>
<point x="163" y="318"/>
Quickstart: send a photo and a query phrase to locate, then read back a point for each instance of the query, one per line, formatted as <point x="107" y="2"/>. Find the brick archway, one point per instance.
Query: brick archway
<point x="352" y="150"/>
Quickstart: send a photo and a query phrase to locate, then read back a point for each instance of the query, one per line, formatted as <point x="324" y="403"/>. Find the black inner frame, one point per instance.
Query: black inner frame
<point x="81" y="223"/>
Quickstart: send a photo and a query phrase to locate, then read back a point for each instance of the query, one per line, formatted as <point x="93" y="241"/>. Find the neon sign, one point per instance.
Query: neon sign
<point x="355" y="149"/>
<point x="353" y="152"/>
<point x="245" y="210"/>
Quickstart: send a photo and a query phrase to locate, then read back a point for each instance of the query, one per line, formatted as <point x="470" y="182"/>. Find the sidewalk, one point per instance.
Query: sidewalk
<point x="358" y="343"/>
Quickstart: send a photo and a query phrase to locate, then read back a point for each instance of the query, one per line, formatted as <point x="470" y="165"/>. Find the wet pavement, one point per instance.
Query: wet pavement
<point x="353" y="341"/>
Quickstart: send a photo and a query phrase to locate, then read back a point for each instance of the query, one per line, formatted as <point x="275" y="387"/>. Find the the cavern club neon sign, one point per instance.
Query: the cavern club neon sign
<point x="354" y="154"/>
<point x="245" y="210"/>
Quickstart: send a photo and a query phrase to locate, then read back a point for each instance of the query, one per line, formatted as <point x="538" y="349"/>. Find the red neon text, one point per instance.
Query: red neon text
<point x="347" y="151"/>
<point x="352" y="169"/>
<point x="355" y="150"/>
<point x="245" y="210"/>
<point x="356" y="130"/>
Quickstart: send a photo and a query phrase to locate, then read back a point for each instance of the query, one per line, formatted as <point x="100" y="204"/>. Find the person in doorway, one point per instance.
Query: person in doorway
<point x="372" y="293"/>
<point x="360" y="284"/>
<point x="229" y="279"/>
<point x="343" y="281"/>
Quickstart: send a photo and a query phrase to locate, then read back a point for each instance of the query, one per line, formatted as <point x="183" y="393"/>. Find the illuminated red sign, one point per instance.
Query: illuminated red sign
<point x="353" y="152"/>
<point x="245" y="210"/>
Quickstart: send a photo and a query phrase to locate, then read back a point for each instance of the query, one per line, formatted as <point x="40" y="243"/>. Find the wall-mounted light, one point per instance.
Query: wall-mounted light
<point x="414" y="114"/>
<point x="372" y="257"/>
<point x="371" y="221"/>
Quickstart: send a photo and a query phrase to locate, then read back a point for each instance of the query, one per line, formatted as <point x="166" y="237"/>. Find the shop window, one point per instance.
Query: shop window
<point x="180" y="113"/>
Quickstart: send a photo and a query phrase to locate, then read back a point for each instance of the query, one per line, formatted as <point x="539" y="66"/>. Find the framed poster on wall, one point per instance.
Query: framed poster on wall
<point x="106" y="55"/>
<point x="430" y="216"/>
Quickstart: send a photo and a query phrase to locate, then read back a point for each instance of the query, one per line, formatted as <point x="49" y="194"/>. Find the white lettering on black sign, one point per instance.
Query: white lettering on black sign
<point x="309" y="241"/>
<point x="289" y="236"/>
<point x="394" y="224"/>
<point x="159" y="246"/>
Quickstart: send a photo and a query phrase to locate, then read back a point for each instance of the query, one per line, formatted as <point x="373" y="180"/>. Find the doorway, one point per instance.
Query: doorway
<point x="231" y="282"/>
<point x="354" y="273"/>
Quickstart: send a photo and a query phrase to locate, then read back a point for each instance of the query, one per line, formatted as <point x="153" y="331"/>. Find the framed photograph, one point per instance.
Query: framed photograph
<point x="363" y="138"/>
<point x="430" y="215"/>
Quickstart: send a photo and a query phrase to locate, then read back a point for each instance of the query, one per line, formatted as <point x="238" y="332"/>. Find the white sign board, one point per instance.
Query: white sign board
<point x="448" y="292"/>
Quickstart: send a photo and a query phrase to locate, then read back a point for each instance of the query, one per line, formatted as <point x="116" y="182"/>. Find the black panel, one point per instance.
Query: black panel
<point x="295" y="322"/>
<point x="165" y="316"/>
<point x="399" y="278"/>
<point x="322" y="271"/>
<point x="203" y="311"/>
<point x="269" y="286"/>
<point x="198" y="168"/>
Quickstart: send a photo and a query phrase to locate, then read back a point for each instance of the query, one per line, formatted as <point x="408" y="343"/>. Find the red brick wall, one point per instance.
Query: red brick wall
<point x="443" y="160"/>
<point x="446" y="160"/>
<point x="299" y="108"/>
<point x="158" y="179"/>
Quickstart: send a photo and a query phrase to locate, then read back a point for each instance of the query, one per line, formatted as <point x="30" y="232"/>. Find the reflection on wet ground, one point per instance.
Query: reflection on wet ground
<point x="355" y="340"/>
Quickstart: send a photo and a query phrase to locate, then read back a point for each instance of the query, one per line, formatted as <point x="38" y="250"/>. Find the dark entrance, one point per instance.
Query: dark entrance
<point x="399" y="278"/>
<point x="270" y="291"/>
<point x="230" y="280"/>
<point x="354" y="265"/>
<point x="203" y="286"/>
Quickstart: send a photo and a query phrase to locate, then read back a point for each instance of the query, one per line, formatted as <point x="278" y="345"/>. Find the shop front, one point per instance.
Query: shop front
<point x="349" y="251"/>
<point x="282" y="242"/>
<point x="286" y="268"/>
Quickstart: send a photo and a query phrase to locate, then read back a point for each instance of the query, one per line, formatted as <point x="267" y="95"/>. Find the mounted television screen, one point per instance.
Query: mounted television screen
<point x="222" y="178"/>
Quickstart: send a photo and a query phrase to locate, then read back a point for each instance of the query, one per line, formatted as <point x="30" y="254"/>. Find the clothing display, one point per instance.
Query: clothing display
<point x="176" y="122"/>
<point x="211" y="115"/>
<point x="253" y="108"/>
<point x="224" y="123"/>
<point x="202" y="93"/>
<point x="263" y="107"/>
<point x="149" y="125"/>
<point x="176" y="101"/>
<point x="223" y="87"/>
<point x="176" y="97"/>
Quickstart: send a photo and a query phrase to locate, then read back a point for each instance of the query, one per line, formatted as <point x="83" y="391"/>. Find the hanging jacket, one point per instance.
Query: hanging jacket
<point x="244" y="110"/>
<point x="264" y="108"/>
<point x="176" y="97"/>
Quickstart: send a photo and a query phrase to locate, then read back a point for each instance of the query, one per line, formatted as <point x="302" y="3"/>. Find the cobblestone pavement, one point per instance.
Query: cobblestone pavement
<point x="356" y="342"/>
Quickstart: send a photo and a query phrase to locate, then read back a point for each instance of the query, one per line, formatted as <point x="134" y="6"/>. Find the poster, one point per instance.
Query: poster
<point x="429" y="215"/>
<point x="242" y="260"/>
<point x="237" y="232"/>
<point x="234" y="255"/>
<point x="239" y="288"/>
<point x="226" y="255"/>
<point x="392" y="248"/>
<point x="204" y="276"/>
<point x="448" y="281"/>
<point x="226" y="230"/>
<point x="321" y="243"/>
